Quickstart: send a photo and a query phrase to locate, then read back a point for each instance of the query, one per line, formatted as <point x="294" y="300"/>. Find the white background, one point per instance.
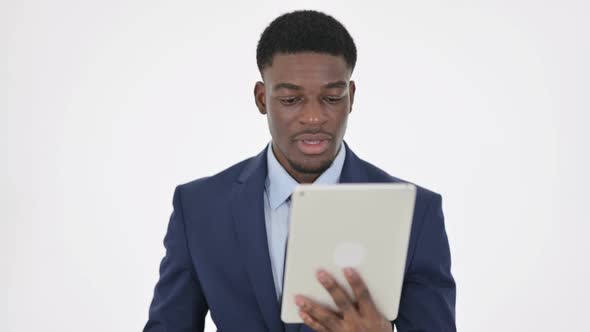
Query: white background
<point x="105" y="106"/>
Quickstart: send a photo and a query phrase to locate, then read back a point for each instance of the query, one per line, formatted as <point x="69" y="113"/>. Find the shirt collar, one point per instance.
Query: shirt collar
<point x="280" y="185"/>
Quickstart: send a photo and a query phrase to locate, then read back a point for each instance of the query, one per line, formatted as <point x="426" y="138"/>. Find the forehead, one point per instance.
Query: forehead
<point x="306" y="68"/>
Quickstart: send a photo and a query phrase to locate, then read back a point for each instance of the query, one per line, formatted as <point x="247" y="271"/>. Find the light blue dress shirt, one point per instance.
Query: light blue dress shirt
<point x="279" y="186"/>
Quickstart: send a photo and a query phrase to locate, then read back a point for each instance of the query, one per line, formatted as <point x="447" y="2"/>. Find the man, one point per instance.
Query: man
<point x="226" y="237"/>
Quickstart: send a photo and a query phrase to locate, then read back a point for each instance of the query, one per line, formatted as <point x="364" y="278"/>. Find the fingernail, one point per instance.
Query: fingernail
<point x="349" y="272"/>
<point x="299" y="301"/>
<point x="323" y="276"/>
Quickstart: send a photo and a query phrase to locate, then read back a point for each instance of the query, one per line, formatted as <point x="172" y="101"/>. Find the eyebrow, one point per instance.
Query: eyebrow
<point x="338" y="84"/>
<point x="287" y="86"/>
<point x="290" y="86"/>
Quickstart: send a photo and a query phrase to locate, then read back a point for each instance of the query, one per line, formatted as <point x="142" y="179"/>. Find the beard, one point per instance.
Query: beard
<point x="312" y="167"/>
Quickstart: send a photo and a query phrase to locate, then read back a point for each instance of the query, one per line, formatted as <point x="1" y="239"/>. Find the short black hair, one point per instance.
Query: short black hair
<point x="305" y="31"/>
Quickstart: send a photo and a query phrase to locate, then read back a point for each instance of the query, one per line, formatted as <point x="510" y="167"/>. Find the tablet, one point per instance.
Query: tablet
<point x="365" y="226"/>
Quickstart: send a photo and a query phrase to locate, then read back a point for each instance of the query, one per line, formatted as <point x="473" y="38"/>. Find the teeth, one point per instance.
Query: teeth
<point x="311" y="142"/>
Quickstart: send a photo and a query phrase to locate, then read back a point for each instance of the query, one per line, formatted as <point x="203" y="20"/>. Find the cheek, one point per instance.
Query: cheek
<point x="274" y="131"/>
<point x="277" y="124"/>
<point x="342" y="121"/>
<point x="282" y="118"/>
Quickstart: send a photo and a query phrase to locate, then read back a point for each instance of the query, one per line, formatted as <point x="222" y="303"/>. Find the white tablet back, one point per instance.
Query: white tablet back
<point x="366" y="226"/>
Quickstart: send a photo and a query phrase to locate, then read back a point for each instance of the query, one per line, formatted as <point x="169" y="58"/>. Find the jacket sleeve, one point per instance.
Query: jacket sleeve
<point x="428" y="294"/>
<point x="178" y="303"/>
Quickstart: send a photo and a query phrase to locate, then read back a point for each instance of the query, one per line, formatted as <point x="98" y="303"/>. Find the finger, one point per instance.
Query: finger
<point x="341" y="298"/>
<point x="324" y="316"/>
<point x="314" y="324"/>
<point x="361" y="292"/>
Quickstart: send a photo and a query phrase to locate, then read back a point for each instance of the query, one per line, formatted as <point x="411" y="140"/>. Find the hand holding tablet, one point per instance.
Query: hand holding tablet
<point x="363" y="226"/>
<point x="359" y="315"/>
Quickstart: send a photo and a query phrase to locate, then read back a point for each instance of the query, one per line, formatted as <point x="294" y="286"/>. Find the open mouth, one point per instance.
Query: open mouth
<point x="313" y="146"/>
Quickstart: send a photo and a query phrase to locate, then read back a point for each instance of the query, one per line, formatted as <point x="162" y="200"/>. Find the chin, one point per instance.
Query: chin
<point x="315" y="166"/>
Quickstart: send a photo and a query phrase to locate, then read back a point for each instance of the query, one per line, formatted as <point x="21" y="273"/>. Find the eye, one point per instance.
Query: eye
<point x="289" y="101"/>
<point x="332" y="99"/>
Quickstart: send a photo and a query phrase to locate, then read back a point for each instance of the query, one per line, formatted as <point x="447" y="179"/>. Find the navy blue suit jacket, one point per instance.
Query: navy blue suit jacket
<point x="217" y="257"/>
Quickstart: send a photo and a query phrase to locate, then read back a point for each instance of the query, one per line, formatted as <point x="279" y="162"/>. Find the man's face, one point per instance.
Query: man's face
<point x="307" y="98"/>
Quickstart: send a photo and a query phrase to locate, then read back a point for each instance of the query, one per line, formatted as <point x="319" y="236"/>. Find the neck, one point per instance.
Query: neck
<point x="302" y="177"/>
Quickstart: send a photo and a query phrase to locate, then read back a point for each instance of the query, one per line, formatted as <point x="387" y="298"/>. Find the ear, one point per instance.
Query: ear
<point x="260" y="97"/>
<point x="351" y="91"/>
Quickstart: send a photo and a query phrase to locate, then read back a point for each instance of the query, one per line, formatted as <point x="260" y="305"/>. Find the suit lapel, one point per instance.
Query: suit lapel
<point x="248" y="213"/>
<point x="353" y="170"/>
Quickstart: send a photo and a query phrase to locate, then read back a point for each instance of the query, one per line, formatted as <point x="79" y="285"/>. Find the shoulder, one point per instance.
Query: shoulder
<point x="215" y="184"/>
<point x="376" y="174"/>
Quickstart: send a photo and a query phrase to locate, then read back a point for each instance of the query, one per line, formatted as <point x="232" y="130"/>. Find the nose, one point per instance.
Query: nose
<point x="312" y="113"/>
